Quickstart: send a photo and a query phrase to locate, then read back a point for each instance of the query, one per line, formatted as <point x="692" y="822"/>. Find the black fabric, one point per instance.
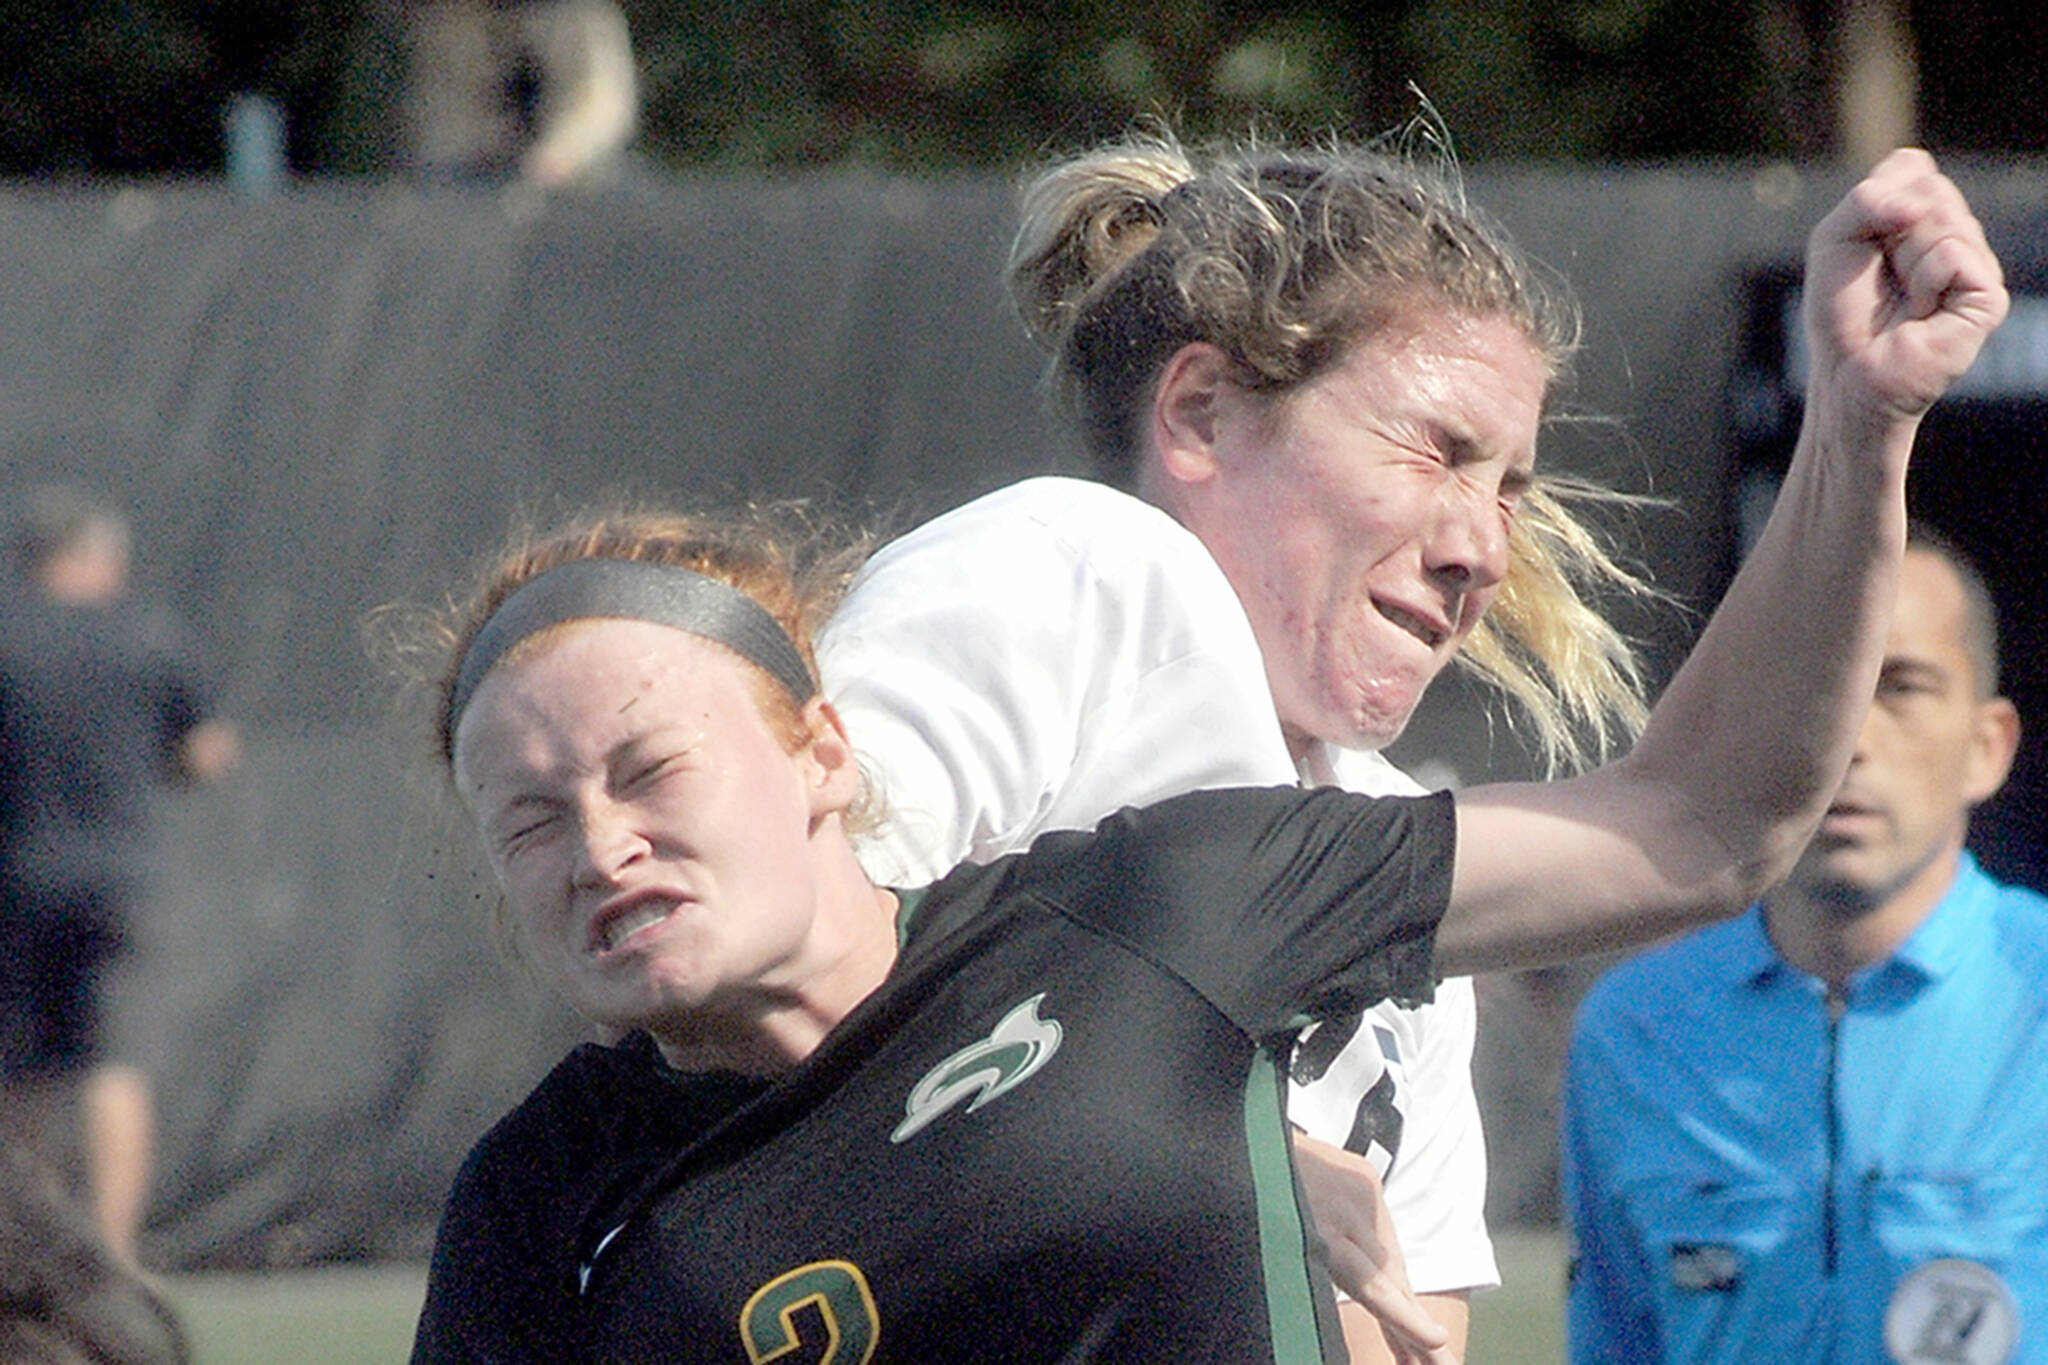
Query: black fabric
<point x="1102" y="1211"/>
<point x="54" y="952"/>
<point x="94" y="702"/>
<point x="505" y="1261"/>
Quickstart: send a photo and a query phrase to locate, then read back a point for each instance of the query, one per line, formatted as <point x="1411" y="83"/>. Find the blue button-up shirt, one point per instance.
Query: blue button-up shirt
<point x="1751" y="1169"/>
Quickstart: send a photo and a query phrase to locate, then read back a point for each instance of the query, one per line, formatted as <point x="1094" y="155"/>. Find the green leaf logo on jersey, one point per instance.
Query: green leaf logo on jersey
<point x="996" y="1065"/>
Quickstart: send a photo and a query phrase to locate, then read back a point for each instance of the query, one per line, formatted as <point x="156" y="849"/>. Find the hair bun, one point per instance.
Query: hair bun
<point x="1083" y="220"/>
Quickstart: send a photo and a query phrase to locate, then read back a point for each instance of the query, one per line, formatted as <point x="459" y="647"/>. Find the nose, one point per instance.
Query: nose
<point x="1866" y="737"/>
<point x="609" y="844"/>
<point x="1467" y="545"/>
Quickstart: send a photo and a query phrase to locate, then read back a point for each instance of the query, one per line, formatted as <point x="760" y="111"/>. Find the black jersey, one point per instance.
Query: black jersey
<point x="94" y="702"/>
<point x="1055" y="1133"/>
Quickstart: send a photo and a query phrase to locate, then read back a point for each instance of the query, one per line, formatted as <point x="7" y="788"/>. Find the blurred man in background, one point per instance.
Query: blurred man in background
<point x="1820" y="1132"/>
<point x="540" y="90"/>
<point x="99" y="702"/>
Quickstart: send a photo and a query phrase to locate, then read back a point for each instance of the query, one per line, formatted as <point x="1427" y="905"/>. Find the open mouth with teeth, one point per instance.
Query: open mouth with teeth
<point x="1413" y="624"/>
<point x="615" y="930"/>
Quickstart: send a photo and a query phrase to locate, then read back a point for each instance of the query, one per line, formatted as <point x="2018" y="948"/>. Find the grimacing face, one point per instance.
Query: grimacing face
<point x="1931" y="748"/>
<point x="1363" y="519"/>
<point x="648" y="828"/>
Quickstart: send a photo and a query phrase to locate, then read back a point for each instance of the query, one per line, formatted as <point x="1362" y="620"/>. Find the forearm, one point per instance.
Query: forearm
<point x="1737" y="764"/>
<point x="1901" y="290"/>
<point x="1746" y="747"/>
<point x="1753" y="734"/>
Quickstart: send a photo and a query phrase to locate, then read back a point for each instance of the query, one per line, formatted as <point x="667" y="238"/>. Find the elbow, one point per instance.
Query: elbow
<point x="1732" y="827"/>
<point x="1733" y="856"/>
<point x="1771" y="862"/>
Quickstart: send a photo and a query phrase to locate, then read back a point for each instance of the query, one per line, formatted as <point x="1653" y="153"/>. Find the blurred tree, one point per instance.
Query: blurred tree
<point x="795" y="82"/>
<point x="1984" y="72"/>
<point x="138" y="86"/>
<point x="86" y="87"/>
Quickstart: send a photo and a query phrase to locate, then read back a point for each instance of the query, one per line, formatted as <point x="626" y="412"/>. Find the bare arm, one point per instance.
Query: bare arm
<point x="1385" y="1322"/>
<point x="208" y="750"/>
<point x="591" y="104"/>
<point x="1745" y="749"/>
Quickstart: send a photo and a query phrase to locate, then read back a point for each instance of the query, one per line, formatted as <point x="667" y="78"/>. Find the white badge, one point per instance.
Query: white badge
<point x="1951" y="1312"/>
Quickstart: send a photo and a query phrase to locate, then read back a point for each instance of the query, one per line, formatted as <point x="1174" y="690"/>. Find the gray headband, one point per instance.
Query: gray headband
<point x="635" y="590"/>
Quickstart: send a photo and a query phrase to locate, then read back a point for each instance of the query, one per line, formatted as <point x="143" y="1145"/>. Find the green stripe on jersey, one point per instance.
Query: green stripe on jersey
<point x="1290" y="1299"/>
<point x="908" y="903"/>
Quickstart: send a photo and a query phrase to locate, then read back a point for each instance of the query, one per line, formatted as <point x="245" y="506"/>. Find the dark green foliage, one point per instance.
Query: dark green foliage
<point x="139" y="86"/>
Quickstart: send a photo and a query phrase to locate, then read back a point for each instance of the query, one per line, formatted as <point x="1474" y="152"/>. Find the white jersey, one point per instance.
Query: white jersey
<point x="1057" y="650"/>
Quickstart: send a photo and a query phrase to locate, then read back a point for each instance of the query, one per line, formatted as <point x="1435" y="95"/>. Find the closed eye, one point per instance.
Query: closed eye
<point x="643" y="774"/>
<point x="527" y="828"/>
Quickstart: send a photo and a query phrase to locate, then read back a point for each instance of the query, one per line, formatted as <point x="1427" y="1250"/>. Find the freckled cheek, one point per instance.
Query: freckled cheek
<point x="1356" y="658"/>
<point x="534" y="907"/>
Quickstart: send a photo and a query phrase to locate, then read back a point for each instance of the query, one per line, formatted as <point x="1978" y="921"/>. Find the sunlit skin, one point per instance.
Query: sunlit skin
<point x="1363" y="520"/>
<point x="1934" y="744"/>
<point x="666" y="862"/>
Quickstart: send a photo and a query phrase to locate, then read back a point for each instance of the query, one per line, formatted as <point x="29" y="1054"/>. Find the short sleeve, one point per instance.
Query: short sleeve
<point x="1275" y="903"/>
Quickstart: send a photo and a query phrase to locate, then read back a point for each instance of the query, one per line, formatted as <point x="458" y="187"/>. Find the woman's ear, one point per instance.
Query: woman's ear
<point x="1185" y="408"/>
<point x="831" y="769"/>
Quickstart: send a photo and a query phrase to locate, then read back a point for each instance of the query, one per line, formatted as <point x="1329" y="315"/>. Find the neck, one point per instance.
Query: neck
<point x="1152" y="485"/>
<point x="1831" y="930"/>
<point x="777" y="1023"/>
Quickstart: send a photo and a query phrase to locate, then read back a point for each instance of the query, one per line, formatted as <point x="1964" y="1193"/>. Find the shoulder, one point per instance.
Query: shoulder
<point x="602" y="1115"/>
<point x="501" y="1280"/>
<point x="2019" y="915"/>
<point x="555" y="1127"/>
<point x="1262" y="813"/>
<point x="1079" y="513"/>
<point x="1066" y="599"/>
<point x="1032" y="536"/>
<point x="2023" y="910"/>
<point x="1249" y="842"/>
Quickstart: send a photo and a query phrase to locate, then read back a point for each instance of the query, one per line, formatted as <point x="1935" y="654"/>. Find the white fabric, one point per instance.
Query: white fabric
<point x="1436" y="1192"/>
<point x="1057" y="650"/>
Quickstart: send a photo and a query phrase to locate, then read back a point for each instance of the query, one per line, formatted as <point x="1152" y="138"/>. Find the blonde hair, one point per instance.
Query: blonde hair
<point x="1285" y="259"/>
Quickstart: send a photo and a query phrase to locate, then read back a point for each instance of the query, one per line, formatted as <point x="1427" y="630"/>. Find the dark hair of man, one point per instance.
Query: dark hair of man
<point x="1980" y="609"/>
